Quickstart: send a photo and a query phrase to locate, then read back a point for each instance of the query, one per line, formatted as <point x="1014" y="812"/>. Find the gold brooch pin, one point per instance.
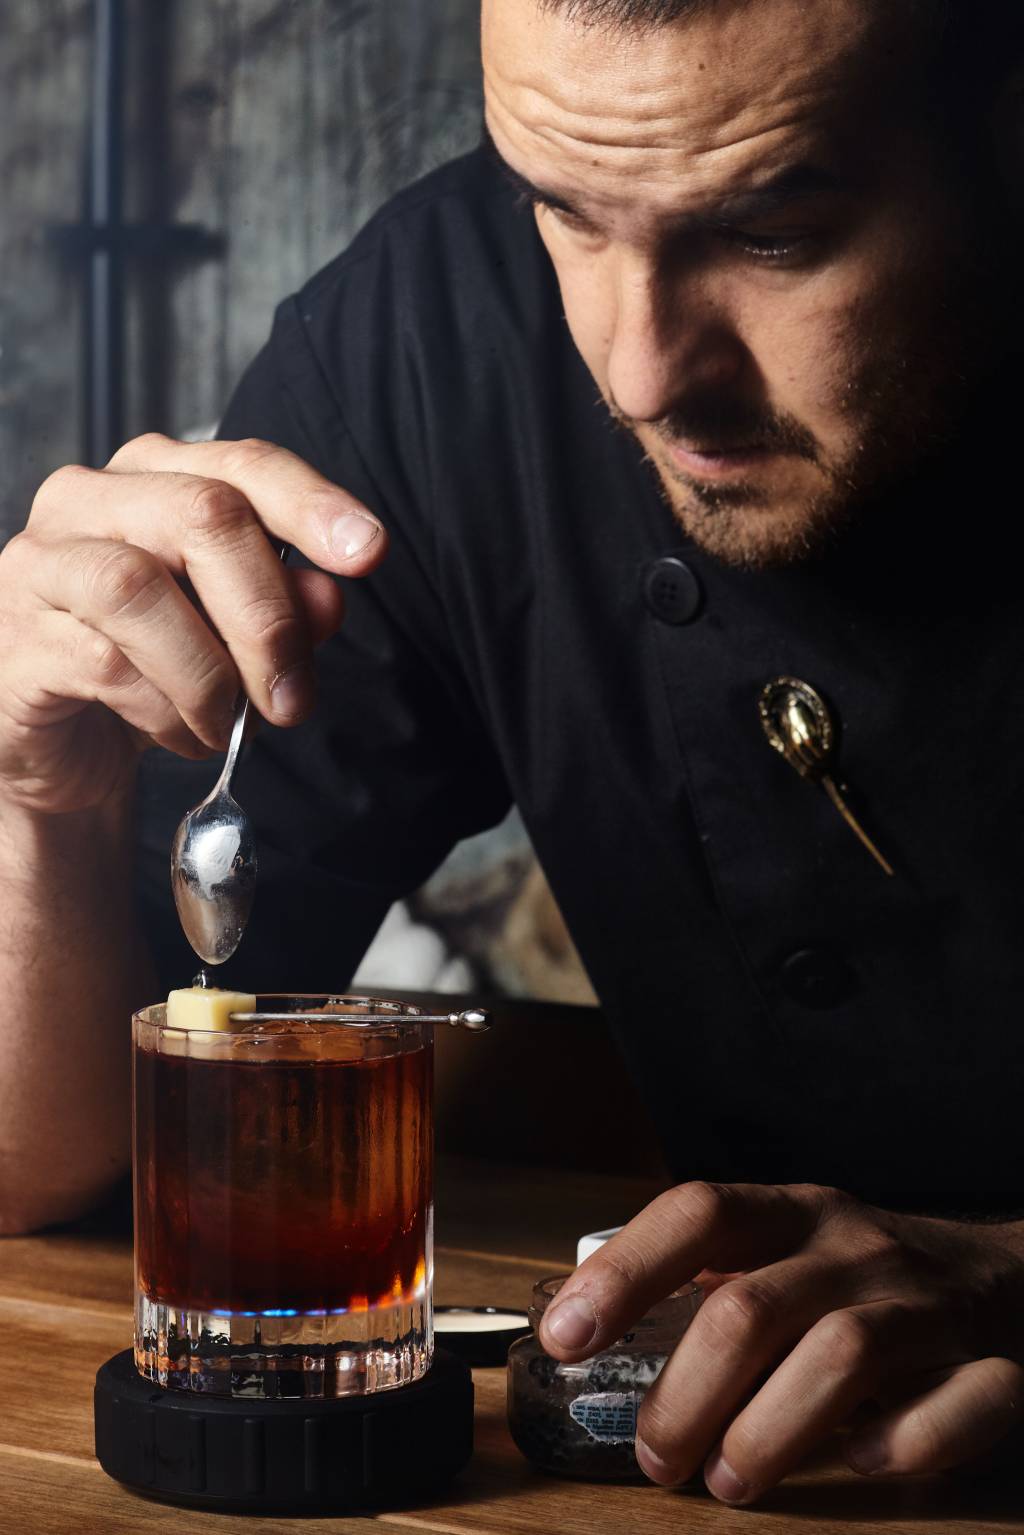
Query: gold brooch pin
<point x="797" y="722"/>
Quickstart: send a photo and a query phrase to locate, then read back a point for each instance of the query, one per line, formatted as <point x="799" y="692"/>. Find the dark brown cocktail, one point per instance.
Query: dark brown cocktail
<point x="283" y="1202"/>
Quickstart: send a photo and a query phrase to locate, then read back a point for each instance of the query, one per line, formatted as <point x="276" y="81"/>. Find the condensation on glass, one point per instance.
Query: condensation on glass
<point x="283" y="1192"/>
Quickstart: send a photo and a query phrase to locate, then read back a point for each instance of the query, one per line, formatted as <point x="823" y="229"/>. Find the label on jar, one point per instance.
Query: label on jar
<point x="607" y="1416"/>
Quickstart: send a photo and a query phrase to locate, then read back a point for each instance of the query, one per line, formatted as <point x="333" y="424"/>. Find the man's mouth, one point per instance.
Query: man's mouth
<point x="718" y="462"/>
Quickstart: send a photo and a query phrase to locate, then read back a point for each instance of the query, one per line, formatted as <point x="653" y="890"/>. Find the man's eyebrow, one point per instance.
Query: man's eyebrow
<point x="522" y="184"/>
<point x="794" y="183"/>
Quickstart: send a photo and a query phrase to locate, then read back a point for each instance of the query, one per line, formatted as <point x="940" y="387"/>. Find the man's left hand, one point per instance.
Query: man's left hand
<point x="830" y="1308"/>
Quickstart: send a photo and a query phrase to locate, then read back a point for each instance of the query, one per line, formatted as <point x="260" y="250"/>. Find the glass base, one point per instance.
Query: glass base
<point x="274" y="1355"/>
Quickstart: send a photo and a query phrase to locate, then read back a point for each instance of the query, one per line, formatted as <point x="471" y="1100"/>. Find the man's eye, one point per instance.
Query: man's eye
<point x="563" y="216"/>
<point x="768" y="248"/>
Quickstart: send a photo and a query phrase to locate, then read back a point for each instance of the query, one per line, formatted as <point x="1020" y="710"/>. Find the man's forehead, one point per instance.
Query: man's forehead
<point x="743" y="87"/>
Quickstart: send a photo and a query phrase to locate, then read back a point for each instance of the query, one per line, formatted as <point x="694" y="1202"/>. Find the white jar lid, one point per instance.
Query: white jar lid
<point x="592" y="1241"/>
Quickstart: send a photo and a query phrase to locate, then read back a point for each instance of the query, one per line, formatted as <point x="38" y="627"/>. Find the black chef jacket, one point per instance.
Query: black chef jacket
<point x="543" y="633"/>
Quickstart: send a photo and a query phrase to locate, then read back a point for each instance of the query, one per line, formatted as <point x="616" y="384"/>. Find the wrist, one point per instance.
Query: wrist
<point x="39" y="845"/>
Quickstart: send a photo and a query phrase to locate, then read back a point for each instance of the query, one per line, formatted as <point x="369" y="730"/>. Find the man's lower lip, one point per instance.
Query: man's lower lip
<point x="719" y="464"/>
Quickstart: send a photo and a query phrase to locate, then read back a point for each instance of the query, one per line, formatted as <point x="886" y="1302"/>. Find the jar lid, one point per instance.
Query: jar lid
<point x="481" y="1335"/>
<point x="592" y="1241"/>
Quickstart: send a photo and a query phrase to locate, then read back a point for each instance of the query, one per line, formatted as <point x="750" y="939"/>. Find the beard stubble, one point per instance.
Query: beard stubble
<point x="899" y="400"/>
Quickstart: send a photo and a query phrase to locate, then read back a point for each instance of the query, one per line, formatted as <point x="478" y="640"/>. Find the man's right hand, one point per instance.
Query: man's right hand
<point x="140" y="597"/>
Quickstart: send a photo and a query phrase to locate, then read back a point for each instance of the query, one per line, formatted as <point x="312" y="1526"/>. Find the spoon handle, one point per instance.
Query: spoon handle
<point x="475" y="1019"/>
<point x="235" y="746"/>
<point x="241" y="717"/>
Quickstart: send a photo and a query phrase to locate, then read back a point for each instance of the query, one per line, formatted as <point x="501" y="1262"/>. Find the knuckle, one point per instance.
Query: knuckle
<point x="18" y="552"/>
<point x="271" y="624"/>
<point x="125" y="579"/>
<point x="831" y="1202"/>
<point x="109" y="667"/>
<point x="738" y="1312"/>
<point x="625" y="1266"/>
<point x="246" y="453"/>
<point x="880" y="1252"/>
<point x="138" y="447"/>
<point x="213" y="686"/>
<point x="699" y="1204"/>
<point x="212" y="510"/>
<point x="847" y="1342"/>
<point x="64" y="483"/>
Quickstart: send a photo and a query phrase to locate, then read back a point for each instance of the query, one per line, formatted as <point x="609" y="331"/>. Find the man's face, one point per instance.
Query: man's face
<point x="763" y="256"/>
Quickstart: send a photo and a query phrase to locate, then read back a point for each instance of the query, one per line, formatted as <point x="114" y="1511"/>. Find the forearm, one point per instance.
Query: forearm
<point x="72" y="968"/>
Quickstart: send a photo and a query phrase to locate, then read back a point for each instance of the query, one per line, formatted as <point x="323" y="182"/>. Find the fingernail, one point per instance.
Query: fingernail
<point x="572" y="1323"/>
<point x="868" y="1454"/>
<point x="351" y="534"/>
<point x="721" y="1479"/>
<point x="291" y="693"/>
<point x="652" y="1465"/>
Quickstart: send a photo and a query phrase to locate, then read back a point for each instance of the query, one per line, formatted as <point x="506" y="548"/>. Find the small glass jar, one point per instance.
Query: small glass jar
<point x="580" y="1419"/>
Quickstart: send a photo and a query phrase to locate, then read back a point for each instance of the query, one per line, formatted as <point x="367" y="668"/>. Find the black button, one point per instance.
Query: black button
<point x="673" y="592"/>
<point x="817" y="978"/>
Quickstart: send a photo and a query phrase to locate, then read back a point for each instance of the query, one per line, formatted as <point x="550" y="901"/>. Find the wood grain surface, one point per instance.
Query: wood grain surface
<point x="65" y="1307"/>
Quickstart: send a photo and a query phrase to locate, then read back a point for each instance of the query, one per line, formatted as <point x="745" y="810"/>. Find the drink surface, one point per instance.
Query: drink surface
<point x="283" y="1186"/>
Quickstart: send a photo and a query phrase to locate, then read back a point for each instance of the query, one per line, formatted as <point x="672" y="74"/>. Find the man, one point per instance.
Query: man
<point x="786" y="266"/>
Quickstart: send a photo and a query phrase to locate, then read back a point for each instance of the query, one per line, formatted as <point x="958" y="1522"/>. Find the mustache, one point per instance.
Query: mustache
<point x="707" y="421"/>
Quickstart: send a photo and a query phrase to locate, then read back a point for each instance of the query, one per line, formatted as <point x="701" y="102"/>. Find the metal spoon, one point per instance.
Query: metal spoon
<point x="213" y="863"/>
<point x="213" y="857"/>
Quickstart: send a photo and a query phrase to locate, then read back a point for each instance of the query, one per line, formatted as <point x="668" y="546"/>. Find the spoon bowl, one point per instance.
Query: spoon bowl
<point x="213" y="864"/>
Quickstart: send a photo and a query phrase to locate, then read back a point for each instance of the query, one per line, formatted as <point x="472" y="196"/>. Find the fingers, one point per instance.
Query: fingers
<point x="819" y="1305"/>
<point x="139" y="614"/>
<point x="742" y="1330"/>
<point x="322" y="601"/>
<point x="835" y="1367"/>
<point x="292" y="501"/>
<point x="694" y="1226"/>
<point x="63" y="665"/>
<point x="101" y="582"/>
<point x="206" y="531"/>
<point x="955" y="1422"/>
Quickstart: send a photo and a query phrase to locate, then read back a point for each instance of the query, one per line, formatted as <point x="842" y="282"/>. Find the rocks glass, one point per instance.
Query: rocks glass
<point x="283" y="1195"/>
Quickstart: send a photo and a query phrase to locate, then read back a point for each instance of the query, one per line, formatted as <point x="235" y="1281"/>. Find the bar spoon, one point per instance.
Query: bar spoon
<point x="213" y="863"/>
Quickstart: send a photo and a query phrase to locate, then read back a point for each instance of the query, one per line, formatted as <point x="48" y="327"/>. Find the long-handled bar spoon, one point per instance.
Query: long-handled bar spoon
<point x="213" y="857"/>
<point x="213" y="863"/>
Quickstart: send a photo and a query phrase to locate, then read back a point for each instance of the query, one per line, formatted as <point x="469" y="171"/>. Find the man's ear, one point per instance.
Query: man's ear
<point x="1007" y="122"/>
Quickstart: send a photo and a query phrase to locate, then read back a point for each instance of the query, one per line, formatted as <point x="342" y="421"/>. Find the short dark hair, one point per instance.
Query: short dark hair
<point x="975" y="41"/>
<point x="627" y="13"/>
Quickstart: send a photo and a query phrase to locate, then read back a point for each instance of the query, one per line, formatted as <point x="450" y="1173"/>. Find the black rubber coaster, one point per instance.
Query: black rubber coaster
<point x="285" y="1457"/>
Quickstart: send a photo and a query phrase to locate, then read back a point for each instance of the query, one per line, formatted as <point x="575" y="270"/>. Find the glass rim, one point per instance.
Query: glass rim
<point x="405" y="1015"/>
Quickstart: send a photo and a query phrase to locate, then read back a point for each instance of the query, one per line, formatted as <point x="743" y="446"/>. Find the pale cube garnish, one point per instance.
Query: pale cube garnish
<point x="206" y="1007"/>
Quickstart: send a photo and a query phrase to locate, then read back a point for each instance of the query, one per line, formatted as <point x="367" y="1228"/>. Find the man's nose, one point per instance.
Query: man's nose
<point x="670" y="338"/>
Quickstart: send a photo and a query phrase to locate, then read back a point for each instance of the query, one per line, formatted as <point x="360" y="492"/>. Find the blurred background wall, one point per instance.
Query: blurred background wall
<point x="257" y="137"/>
<point x="274" y="127"/>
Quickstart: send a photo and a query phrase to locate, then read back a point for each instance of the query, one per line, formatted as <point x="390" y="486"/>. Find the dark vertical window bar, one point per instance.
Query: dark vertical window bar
<point x="105" y="307"/>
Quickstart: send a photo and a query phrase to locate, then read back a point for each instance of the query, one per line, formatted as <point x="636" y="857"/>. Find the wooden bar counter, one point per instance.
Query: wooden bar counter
<point x="65" y="1307"/>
